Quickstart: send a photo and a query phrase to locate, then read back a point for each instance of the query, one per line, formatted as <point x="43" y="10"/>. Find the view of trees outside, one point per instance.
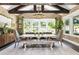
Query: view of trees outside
<point x="35" y="27"/>
<point x="26" y="26"/>
<point x="1" y="25"/>
<point x="76" y="25"/>
<point x="4" y="20"/>
<point x="5" y="24"/>
<point x="39" y="25"/>
<point x="67" y="26"/>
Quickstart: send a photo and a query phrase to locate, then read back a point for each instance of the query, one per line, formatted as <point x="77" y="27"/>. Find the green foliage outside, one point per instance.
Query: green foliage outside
<point x="43" y="24"/>
<point x="67" y="22"/>
<point x="51" y="25"/>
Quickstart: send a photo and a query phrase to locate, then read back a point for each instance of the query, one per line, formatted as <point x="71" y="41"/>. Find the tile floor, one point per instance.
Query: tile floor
<point x="57" y="50"/>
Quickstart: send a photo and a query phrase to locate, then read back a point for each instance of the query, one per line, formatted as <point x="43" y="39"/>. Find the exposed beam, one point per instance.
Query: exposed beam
<point x="34" y="8"/>
<point x="42" y="8"/>
<point x="17" y="8"/>
<point x="20" y="12"/>
<point x="60" y="8"/>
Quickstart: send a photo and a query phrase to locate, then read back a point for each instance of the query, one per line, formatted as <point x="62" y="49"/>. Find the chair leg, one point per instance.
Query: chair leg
<point x="18" y="43"/>
<point x="15" y="45"/>
<point x="52" y="46"/>
<point x="61" y="43"/>
<point x="58" y="42"/>
<point x="25" y="46"/>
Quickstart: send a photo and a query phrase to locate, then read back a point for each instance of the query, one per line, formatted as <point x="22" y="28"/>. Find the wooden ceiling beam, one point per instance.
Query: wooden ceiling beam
<point x="17" y="8"/>
<point x="20" y="12"/>
<point x="34" y="8"/>
<point x="60" y="8"/>
<point x="42" y="8"/>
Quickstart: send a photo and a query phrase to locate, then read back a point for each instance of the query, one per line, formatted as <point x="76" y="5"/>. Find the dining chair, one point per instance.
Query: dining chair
<point x="17" y="38"/>
<point x="59" y="37"/>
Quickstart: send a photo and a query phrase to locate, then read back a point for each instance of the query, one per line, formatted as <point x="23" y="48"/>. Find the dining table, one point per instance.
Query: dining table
<point x="38" y="36"/>
<point x="38" y="41"/>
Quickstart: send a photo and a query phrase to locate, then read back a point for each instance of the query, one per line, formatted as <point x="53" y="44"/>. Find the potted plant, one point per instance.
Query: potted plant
<point x="58" y="24"/>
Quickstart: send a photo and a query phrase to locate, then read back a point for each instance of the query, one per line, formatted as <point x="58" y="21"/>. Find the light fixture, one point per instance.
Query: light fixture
<point x="39" y="14"/>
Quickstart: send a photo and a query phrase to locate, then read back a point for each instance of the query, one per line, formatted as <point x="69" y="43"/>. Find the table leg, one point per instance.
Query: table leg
<point x="51" y="45"/>
<point x="25" y="46"/>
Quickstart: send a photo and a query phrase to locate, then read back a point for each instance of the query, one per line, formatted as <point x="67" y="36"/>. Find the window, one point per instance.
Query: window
<point x="43" y="24"/>
<point x="39" y="25"/>
<point x="35" y="26"/>
<point x="26" y="26"/>
<point x="76" y="25"/>
<point x="67" y="26"/>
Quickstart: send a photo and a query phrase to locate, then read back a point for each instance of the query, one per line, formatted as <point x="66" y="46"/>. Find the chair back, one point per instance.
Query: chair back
<point x="17" y="38"/>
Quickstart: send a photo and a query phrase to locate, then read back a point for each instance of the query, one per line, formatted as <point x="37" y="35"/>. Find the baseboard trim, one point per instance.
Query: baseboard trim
<point x="6" y="45"/>
<point x="72" y="42"/>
